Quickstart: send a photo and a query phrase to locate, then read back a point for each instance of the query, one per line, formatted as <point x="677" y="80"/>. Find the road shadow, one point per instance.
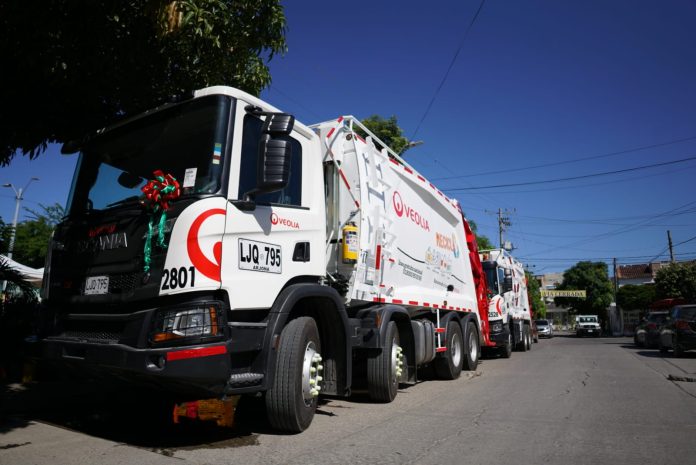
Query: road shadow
<point x="655" y="352"/>
<point x="137" y="418"/>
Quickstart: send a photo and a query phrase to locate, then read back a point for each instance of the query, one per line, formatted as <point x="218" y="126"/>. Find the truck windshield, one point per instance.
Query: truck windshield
<point x="491" y="277"/>
<point x="186" y="141"/>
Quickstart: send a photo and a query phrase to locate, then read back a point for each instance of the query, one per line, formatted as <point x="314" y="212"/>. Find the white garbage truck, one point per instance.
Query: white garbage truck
<point x="509" y="311"/>
<point x="218" y="247"/>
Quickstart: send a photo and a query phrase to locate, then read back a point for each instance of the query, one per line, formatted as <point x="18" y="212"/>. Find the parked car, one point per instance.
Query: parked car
<point x="544" y="327"/>
<point x="647" y="333"/>
<point x="679" y="331"/>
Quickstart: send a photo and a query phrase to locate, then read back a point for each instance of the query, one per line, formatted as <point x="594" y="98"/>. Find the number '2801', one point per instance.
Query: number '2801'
<point x="178" y="278"/>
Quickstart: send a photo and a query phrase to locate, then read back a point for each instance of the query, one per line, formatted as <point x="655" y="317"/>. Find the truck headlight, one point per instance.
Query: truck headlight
<point x="496" y="327"/>
<point x="187" y="323"/>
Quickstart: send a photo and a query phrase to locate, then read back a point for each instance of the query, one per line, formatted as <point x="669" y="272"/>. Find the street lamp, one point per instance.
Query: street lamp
<point x="18" y="200"/>
<point x="410" y="145"/>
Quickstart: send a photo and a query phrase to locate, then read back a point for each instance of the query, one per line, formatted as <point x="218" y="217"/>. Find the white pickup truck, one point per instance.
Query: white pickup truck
<point x="587" y="325"/>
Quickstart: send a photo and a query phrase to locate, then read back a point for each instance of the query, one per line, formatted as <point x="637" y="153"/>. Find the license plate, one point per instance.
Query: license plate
<point x="259" y="256"/>
<point x="96" y="285"/>
<point x="590" y="330"/>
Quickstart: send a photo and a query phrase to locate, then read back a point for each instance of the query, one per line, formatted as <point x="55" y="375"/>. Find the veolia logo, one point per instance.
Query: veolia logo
<point x="402" y="209"/>
<point x="398" y="204"/>
<point x="275" y="220"/>
<point x="207" y="267"/>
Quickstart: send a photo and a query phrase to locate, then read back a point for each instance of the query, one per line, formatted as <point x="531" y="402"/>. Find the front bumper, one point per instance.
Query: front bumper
<point x="201" y="370"/>
<point x="500" y="338"/>
<point x="588" y="331"/>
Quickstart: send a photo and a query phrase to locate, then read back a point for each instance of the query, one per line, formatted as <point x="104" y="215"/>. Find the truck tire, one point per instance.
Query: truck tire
<point x="506" y="350"/>
<point x="292" y="399"/>
<point x="449" y="364"/>
<point x="530" y="339"/>
<point x="384" y="368"/>
<point x="473" y="350"/>
<point x="524" y="343"/>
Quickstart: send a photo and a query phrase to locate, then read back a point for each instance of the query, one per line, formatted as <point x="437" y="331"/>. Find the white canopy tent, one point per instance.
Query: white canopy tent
<point x="32" y="275"/>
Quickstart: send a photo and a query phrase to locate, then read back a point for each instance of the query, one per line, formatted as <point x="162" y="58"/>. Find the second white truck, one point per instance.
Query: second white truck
<point x="509" y="312"/>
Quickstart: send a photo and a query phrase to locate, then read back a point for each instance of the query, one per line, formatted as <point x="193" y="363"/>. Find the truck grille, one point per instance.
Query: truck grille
<point x="123" y="283"/>
<point x="96" y="331"/>
<point x="100" y="337"/>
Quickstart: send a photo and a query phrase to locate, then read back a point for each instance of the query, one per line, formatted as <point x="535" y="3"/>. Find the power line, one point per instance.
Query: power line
<point x="449" y="68"/>
<point x="548" y="181"/>
<point x="684" y="242"/>
<point x="620" y="230"/>
<point x="571" y="259"/>
<point x="583" y="185"/>
<point x="574" y="160"/>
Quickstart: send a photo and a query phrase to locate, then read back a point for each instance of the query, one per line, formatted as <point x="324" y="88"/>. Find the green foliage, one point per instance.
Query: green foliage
<point x="533" y="289"/>
<point x="387" y="130"/>
<point x="677" y="280"/>
<point x="594" y="278"/>
<point x="633" y="297"/>
<point x="484" y="243"/>
<point x="31" y="240"/>
<point x="74" y="67"/>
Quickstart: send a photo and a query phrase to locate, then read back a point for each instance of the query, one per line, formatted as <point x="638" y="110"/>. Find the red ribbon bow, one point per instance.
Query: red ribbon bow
<point x="160" y="191"/>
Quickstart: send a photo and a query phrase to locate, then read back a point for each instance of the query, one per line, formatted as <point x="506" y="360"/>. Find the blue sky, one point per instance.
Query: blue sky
<point x="536" y="83"/>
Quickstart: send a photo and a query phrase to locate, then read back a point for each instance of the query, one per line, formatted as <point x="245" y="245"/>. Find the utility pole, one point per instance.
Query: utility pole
<point x="669" y="243"/>
<point x="503" y="222"/>
<point x="616" y="280"/>
<point x="18" y="200"/>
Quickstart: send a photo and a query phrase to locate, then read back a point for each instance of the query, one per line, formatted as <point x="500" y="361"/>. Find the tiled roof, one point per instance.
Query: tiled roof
<point x="642" y="271"/>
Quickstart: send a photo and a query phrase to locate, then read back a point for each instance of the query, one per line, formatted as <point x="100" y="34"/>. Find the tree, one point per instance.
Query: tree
<point x="533" y="289"/>
<point x="633" y="297"/>
<point x="677" y="280"/>
<point x="74" y="67"/>
<point x="594" y="278"/>
<point x="387" y="130"/>
<point x="31" y="239"/>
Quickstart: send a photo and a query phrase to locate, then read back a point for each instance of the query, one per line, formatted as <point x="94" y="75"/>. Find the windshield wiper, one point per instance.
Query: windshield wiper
<point x="130" y="199"/>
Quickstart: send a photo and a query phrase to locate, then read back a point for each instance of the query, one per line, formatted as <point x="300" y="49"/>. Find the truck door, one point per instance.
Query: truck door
<point x="282" y="237"/>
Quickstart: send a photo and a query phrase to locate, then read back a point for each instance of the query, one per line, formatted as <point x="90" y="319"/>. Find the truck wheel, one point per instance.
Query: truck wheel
<point x="449" y="364"/>
<point x="292" y="398"/>
<point x="471" y="358"/>
<point x="506" y="350"/>
<point x="530" y="340"/>
<point x="384" y="369"/>
<point x="524" y="343"/>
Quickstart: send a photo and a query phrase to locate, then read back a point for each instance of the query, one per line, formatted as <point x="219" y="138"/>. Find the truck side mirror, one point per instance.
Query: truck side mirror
<point x="507" y="284"/>
<point x="275" y="153"/>
<point x="273" y="165"/>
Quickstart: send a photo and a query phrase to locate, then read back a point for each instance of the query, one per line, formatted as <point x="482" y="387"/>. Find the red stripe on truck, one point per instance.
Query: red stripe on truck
<point x="196" y="353"/>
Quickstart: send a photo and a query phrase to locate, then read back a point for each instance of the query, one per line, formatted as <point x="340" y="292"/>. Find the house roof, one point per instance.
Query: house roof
<point x="641" y="271"/>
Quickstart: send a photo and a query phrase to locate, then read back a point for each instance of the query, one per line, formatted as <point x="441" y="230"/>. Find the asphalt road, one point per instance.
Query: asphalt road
<point x="570" y="401"/>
